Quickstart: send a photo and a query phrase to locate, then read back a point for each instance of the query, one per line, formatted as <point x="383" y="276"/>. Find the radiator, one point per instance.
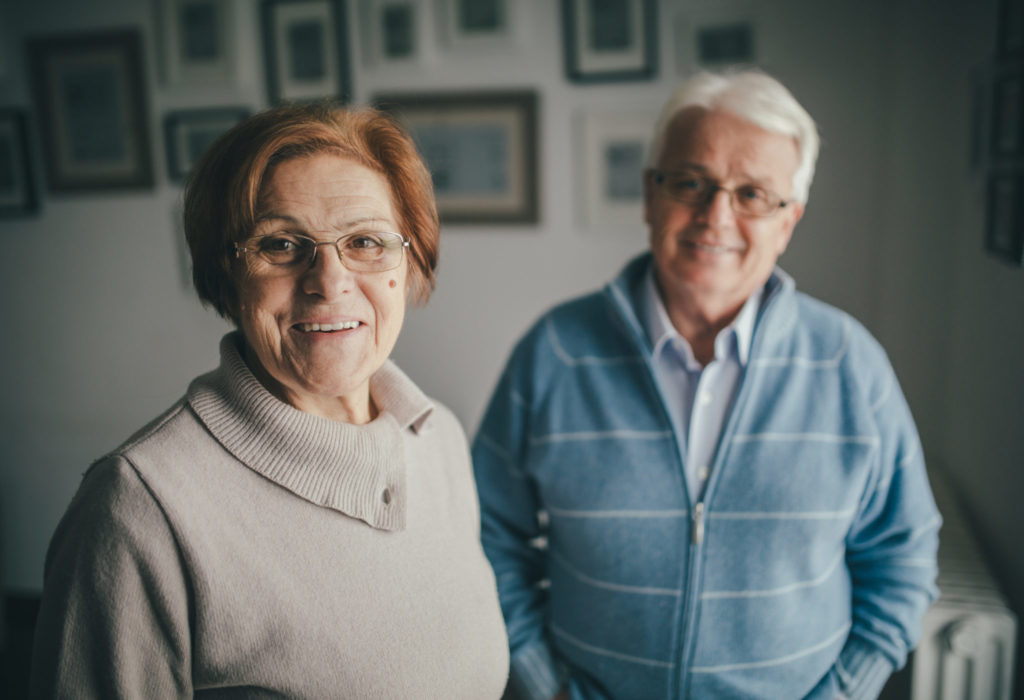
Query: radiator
<point x="967" y="648"/>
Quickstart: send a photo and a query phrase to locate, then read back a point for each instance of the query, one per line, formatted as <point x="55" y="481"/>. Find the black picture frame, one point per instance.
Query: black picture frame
<point x="481" y="149"/>
<point x="1004" y="225"/>
<point x="189" y="132"/>
<point x="306" y="51"/>
<point x="17" y="184"/>
<point x="90" y="102"/>
<point x="1007" y="134"/>
<point x="615" y="40"/>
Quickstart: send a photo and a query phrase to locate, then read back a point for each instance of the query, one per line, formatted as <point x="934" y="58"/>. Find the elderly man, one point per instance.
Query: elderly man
<point x="699" y="482"/>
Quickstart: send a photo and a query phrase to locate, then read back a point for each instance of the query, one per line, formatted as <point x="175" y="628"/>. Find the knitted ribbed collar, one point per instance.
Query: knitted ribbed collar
<point x="358" y="470"/>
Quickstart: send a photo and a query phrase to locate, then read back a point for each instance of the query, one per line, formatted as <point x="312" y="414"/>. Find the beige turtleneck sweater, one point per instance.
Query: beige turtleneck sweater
<point x="238" y="547"/>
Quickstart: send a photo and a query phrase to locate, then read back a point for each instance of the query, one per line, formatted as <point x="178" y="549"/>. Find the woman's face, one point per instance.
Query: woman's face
<point x="316" y="333"/>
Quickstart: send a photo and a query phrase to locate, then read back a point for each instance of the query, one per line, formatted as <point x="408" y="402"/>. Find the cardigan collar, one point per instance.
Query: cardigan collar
<point x="778" y="292"/>
<point x="358" y="470"/>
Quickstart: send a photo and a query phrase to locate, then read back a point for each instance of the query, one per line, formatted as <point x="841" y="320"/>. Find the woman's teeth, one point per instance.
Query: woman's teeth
<point x="326" y="327"/>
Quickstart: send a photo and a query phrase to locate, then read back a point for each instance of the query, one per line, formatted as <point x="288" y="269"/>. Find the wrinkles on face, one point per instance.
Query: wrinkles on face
<point x="708" y="258"/>
<point x="316" y="335"/>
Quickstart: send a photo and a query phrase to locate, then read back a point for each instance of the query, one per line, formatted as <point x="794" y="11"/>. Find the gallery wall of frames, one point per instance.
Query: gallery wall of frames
<point x="90" y="124"/>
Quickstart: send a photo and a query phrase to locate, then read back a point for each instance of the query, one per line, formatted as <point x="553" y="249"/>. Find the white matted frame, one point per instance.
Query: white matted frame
<point x="716" y="38"/>
<point x="17" y="187"/>
<point x="189" y="132"/>
<point x="391" y="30"/>
<point x="477" y="24"/>
<point x="614" y="151"/>
<point x="307" y="50"/>
<point x="610" y="40"/>
<point x="481" y="149"/>
<point x="198" y="41"/>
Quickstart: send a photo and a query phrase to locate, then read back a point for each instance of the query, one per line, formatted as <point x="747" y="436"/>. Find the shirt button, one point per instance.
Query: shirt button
<point x="703" y="473"/>
<point x="705" y="398"/>
<point x="386" y="496"/>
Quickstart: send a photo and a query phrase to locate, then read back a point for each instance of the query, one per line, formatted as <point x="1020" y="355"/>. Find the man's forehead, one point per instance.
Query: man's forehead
<point x="697" y="134"/>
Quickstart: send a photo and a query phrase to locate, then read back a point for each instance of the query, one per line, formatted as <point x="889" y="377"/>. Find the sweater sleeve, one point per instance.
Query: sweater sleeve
<point x="114" y="618"/>
<point x="510" y="528"/>
<point x="891" y="549"/>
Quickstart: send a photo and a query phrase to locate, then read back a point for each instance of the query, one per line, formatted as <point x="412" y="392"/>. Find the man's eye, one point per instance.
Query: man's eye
<point x="684" y="184"/>
<point x="751" y="193"/>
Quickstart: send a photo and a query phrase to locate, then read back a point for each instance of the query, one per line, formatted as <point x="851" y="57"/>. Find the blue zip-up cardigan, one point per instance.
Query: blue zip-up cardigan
<point x="803" y="572"/>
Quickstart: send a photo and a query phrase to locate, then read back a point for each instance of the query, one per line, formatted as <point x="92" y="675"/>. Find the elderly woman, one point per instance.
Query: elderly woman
<point x="303" y="522"/>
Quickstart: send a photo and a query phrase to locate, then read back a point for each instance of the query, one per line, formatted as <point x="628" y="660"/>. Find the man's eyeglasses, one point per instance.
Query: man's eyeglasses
<point x="693" y="189"/>
<point x="377" y="251"/>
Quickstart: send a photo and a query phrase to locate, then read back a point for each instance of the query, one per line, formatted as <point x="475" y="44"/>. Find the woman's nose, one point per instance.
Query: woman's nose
<point x="327" y="275"/>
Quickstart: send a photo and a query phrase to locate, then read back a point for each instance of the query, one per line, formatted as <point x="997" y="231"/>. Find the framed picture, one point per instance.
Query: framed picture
<point x="481" y="149"/>
<point x="307" y="52"/>
<point x="390" y="30"/>
<point x="614" y="152"/>
<point x="91" y="106"/>
<point x="198" y="41"/>
<point x="1008" y="113"/>
<point x="17" y="188"/>
<point x="725" y="44"/>
<point x="476" y="23"/>
<point x="188" y="133"/>
<point x="1004" y="227"/>
<point x="609" y="39"/>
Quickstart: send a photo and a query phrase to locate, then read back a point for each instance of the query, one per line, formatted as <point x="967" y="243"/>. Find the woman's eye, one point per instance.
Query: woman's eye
<point x="278" y="244"/>
<point x="363" y="242"/>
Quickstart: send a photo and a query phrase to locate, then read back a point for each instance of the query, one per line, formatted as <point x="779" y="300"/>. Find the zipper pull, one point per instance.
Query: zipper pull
<point x="698" y="523"/>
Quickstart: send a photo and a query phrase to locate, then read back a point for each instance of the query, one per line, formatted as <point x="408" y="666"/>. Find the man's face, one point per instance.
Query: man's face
<point x="708" y="259"/>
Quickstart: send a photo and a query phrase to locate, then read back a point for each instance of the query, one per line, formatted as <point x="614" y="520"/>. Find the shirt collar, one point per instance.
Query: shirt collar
<point x="660" y="330"/>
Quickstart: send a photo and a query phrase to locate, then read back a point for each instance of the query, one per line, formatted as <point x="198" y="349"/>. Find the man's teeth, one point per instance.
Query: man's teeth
<point x="713" y="248"/>
<point x="325" y="327"/>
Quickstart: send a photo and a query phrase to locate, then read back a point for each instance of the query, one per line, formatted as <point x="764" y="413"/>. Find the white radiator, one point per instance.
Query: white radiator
<point x="967" y="648"/>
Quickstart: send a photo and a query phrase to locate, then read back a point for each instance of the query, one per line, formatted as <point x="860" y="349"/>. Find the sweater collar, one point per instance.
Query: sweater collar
<point x="358" y="470"/>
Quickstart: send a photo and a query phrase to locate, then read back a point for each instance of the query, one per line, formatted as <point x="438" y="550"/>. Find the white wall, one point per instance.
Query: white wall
<point x="100" y="333"/>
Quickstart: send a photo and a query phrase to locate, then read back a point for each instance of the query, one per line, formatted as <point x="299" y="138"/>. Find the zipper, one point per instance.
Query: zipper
<point x="698" y="523"/>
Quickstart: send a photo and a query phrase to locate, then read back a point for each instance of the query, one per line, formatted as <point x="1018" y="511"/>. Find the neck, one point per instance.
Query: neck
<point x="698" y="321"/>
<point x="357" y="408"/>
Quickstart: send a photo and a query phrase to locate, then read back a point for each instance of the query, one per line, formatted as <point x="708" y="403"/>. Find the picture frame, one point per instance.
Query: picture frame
<point x="724" y="44"/>
<point x="306" y="50"/>
<point x="1007" y="134"/>
<point x="716" y="38"/>
<point x="481" y="149"/>
<point x="614" y="148"/>
<point x="391" y="30"/>
<point x="198" y="42"/>
<point x="476" y="24"/>
<point x="90" y="102"/>
<point x="615" y="40"/>
<point x="189" y="132"/>
<point x="17" y="185"/>
<point x="1004" y="225"/>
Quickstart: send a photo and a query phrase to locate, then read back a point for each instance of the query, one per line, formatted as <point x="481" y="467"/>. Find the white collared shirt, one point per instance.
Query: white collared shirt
<point x="699" y="398"/>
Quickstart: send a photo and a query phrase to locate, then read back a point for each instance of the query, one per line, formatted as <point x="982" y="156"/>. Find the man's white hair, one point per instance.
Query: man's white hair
<point x="755" y="97"/>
